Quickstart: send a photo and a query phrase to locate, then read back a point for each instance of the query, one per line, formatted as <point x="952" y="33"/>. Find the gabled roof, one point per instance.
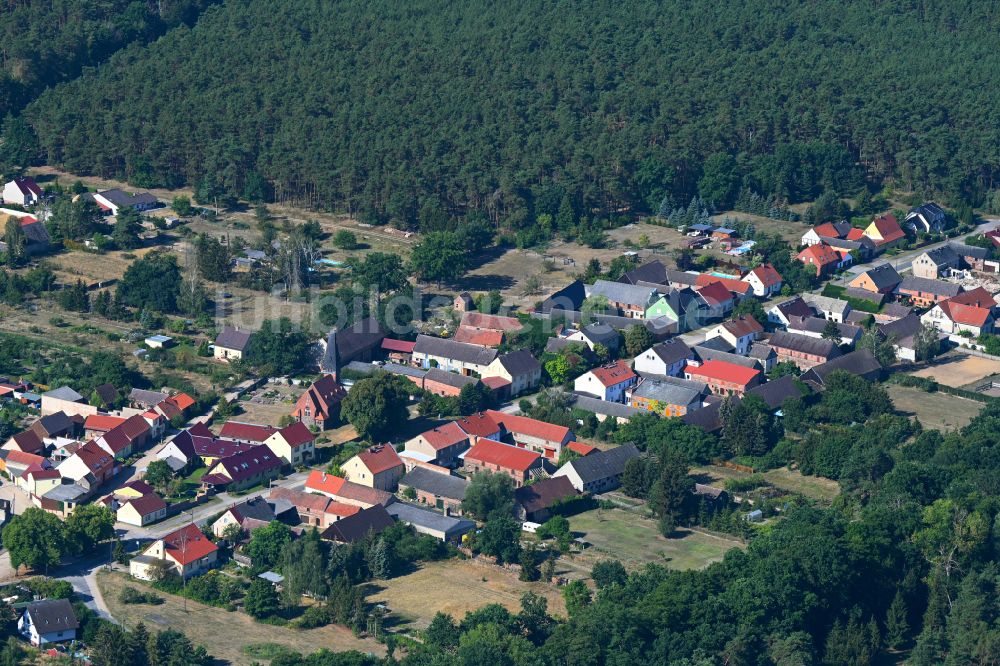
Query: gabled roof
<point x="928" y="286"/>
<point x="188" y="544"/>
<point x="942" y="256"/>
<point x="147" y="398"/>
<point x="972" y="251"/>
<point x="502" y="455"/>
<point x="529" y="427"/>
<point x="380" y="458"/>
<point x="613" y="374"/>
<point x="620" y="292"/>
<point x="859" y="362"/>
<point x="817" y="325"/>
<point x="444" y="436"/>
<point x="570" y="297"/>
<point x="826" y="303"/>
<point x="297" y="434"/>
<point x="544" y="494"/>
<point x="256" y="507"/>
<point x="804" y="344"/>
<point x="29" y="441"/>
<point x="715" y="294"/>
<point x="322" y="482"/>
<point x="970" y="315"/>
<point x="654" y="272"/>
<point x="723" y="371"/>
<point x="604" y="464"/>
<point x="794" y="307"/>
<point x="356" y="527"/>
<point x="767" y="275"/>
<point x="449" y="526"/>
<point x="493" y="322"/>
<point x="52" y="615"/>
<point x="246" y="432"/>
<point x="452" y="379"/>
<point x="670" y="392"/>
<point x="102" y="422"/>
<point x="743" y="326"/>
<point x="888" y="228"/>
<point x="435" y="483"/>
<point x="733" y="285"/>
<point x="883" y="276"/>
<point x="64" y="393"/>
<point x="94" y="457"/>
<point x="519" y="362"/>
<point x="706" y="353"/>
<point x="146" y="504"/>
<point x="832" y="230"/>
<point x="672" y="351"/>
<point x="232" y="338"/>
<point x="403" y="346"/>
<point x="581" y="448"/>
<point x="820" y="254"/>
<point x="774" y="393"/>
<point x="477" y="336"/>
<point x="480" y="425"/>
<point x="457" y="351"/>
<point x="26" y="185"/>
<point x="978" y="297"/>
<point x="247" y="464"/>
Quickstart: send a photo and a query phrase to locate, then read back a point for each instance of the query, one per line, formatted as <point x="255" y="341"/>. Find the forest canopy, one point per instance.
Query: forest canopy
<point x="421" y="113"/>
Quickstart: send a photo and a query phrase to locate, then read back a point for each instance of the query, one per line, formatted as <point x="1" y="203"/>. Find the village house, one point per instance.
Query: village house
<point x="15" y="463"/>
<point x="251" y="433"/>
<point x="185" y="552"/>
<point x="448" y="355"/>
<point x="669" y="396"/>
<point x="519" y="368"/>
<point x="536" y="501"/>
<point x="253" y="467"/>
<point x="816" y="327"/>
<point x="936" y="263"/>
<point x="881" y="279"/>
<point x="22" y="191"/>
<point x="737" y="287"/>
<point x="925" y="293"/>
<point x="595" y="334"/>
<point x="490" y="456"/>
<point x="314" y="509"/>
<point x="445" y="492"/>
<point x="823" y="232"/>
<point x="608" y="382"/>
<point x="664" y="359"/>
<point x="485" y="329"/>
<point x="822" y="258"/>
<point x="360" y="525"/>
<point x="96" y="425"/>
<point x="140" y="511"/>
<point x="723" y="378"/>
<point x="546" y="439"/>
<point x="231" y="343"/>
<point x="927" y="218"/>
<point x="445" y="383"/>
<point x="802" y="350"/>
<point x="89" y="462"/>
<point x="971" y="311"/>
<point x="294" y="444"/>
<point x="424" y="521"/>
<point x="780" y="313"/>
<point x="442" y="445"/>
<point x="346" y="492"/>
<point x="38" y="480"/>
<point x="629" y="300"/>
<point x="600" y="472"/>
<point x="377" y="467"/>
<point x="127" y="438"/>
<point x="253" y="513"/>
<point x="740" y="333"/>
<point x="463" y="302"/>
<point x="48" y="621"/>
<point x="860" y="362"/>
<point x="885" y="232"/>
<point x="114" y="200"/>
<point x="64" y="399"/>
<point x="833" y="309"/>
<point x="319" y="406"/>
<point x="26" y="441"/>
<point x="718" y="301"/>
<point x="903" y="333"/>
<point x="765" y="357"/>
<point x="765" y="280"/>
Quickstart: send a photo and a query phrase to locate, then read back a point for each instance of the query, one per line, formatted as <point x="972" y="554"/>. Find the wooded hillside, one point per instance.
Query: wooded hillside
<point x="392" y="108"/>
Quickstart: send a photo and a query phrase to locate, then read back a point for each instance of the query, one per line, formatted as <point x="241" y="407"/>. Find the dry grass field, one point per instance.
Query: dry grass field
<point x="958" y="370"/>
<point x="938" y="411"/>
<point x="223" y="633"/>
<point x="455" y="587"/>
<point x="789" y="480"/>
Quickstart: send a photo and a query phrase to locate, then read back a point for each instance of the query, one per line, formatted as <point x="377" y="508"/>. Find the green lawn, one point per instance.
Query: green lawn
<point x="626" y="536"/>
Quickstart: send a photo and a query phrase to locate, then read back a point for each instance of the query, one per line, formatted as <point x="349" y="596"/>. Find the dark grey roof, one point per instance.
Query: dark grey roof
<point x="709" y="354"/>
<point x="718" y="343"/>
<point x="52" y="615"/>
<point x="232" y="338"/>
<point x="122" y="198"/>
<point x="52" y="424"/>
<point x="520" y="362"/>
<point x="929" y="286"/>
<point x="35" y="232"/>
<point x="671" y="391"/>
<point x="396" y="369"/>
<point x="826" y="303"/>
<point x="863" y="294"/>
<point x="761" y="351"/>
<point x="349" y="343"/>
<point x="929" y="210"/>
<point x="601" y="333"/>
<point x="776" y="392"/>
<point x="544" y="494"/>
<point x="943" y="255"/>
<point x="435" y="483"/>
<point x="672" y="351"/>
<point x="804" y="344"/>
<point x="682" y="278"/>
<point x="556" y="345"/>
<point x="964" y="250"/>
<point x="107" y="392"/>
<point x="354" y="528"/>
<point x="658" y="326"/>
<point x="883" y="276"/>
<point x="147" y="398"/>
<point x="570" y="297"/>
<point x="901" y="329"/>
<point x="859" y="362"/>
<point x="449" y="378"/>
<point x="431" y="520"/>
<point x="457" y="351"/>
<point x="604" y="464"/>
<point x="818" y="325"/>
<point x="794" y="307"/>
<point x="605" y="408"/>
<point x="257" y="508"/>
<point x="620" y="292"/>
<point x="897" y="310"/>
<point x="707" y="418"/>
<point x="654" y="272"/>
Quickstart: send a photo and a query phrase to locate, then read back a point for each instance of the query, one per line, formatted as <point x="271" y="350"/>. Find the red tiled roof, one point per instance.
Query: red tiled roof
<point x="302" y="500"/>
<point x="38" y="472"/>
<point x="502" y="455"/>
<point x="523" y="425"/>
<point x="767" y="274"/>
<point x="169" y="409"/>
<point x="102" y="422"/>
<point x="472" y="336"/>
<point x="27" y="458"/>
<point x="188" y="544"/>
<point x="247" y="432"/>
<point x="94" y="457"/>
<point x="28" y="441"/>
<point x="888" y="228"/>
<point x="978" y="297"/>
<point x="613" y="374"/>
<point x="341" y="509"/>
<point x="247" y="464"/>
<point x="297" y="434"/>
<point x="134" y="426"/>
<point x="479" y="425"/>
<point x="969" y="315"/>
<point x="495" y="322"/>
<point x="581" y="448"/>
<point x="821" y="254"/>
<point x="715" y="293"/>
<point x="140" y="487"/>
<point x="495" y="382"/>
<point x="733" y="285"/>
<point x="827" y="229"/>
<point x="116" y="440"/>
<point x="380" y="458"/>
<point x="855" y="234"/>
<point x="404" y="346"/>
<point x="723" y="371"/>
<point x="445" y="436"/>
<point x="182" y="401"/>
<point x="322" y="482"/>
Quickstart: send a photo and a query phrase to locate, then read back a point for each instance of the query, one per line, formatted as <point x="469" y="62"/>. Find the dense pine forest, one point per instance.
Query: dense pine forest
<point x="404" y="111"/>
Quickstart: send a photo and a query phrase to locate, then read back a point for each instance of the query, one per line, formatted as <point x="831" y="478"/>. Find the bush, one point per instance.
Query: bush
<point x="314" y="616"/>
<point x="746" y="483"/>
<point x="130" y="595"/>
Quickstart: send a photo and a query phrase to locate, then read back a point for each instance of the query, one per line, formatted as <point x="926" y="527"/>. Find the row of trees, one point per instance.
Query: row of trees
<point x="38" y="540"/>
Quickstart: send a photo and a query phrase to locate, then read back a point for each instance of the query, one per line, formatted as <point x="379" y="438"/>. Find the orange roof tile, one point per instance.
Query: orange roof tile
<point x="102" y="422"/>
<point x="380" y="458"/>
<point x="474" y="336"/>
<point x="188" y="544"/>
<point x="523" y="425"/>
<point x="322" y="482"/>
<point x="767" y="274"/>
<point x="614" y="373"/>
<point x="445" y="436"/>
<point x="502" y="455"/>
<point x="723" y="371"/>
